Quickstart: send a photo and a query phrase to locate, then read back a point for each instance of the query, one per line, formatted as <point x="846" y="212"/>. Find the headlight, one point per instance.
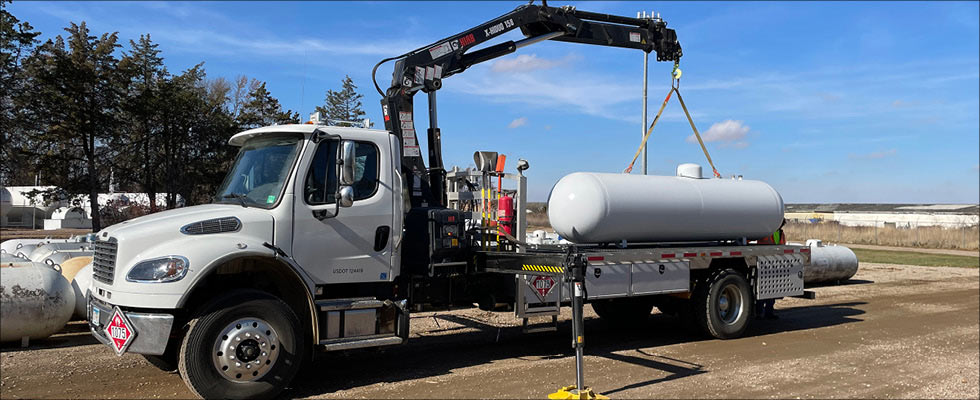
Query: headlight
<point x="164" y="269"/>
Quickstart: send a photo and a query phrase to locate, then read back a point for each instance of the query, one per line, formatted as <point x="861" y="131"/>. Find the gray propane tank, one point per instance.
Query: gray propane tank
<point x="35" y="301"/>
<point x="589" y="207"/>
<point x="829" y="263"/>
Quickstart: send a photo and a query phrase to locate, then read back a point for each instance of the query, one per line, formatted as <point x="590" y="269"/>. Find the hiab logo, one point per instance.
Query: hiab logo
<point x="467" y="40"/>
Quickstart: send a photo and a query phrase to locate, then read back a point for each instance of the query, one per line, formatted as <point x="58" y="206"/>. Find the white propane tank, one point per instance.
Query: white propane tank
<point x="589" y="207"/>
<point x="10" y="258"/>
<point x="60" y="256"/>
<point x="81" y="285"/>
<point x="829" y="263"/>
<point x="45" y="250"/>
<point x="35" y="302"/>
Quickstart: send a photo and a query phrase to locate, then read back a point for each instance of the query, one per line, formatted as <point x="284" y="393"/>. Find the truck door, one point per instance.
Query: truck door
<point x="355" y="245"/>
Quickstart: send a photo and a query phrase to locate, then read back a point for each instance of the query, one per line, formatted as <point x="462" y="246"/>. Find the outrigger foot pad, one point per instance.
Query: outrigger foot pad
<point x="570" y="392"/>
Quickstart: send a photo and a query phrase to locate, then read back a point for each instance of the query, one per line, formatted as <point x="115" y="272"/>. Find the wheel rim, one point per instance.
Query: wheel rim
<point x="729" y="304"/>
<point x="245" y="350"/>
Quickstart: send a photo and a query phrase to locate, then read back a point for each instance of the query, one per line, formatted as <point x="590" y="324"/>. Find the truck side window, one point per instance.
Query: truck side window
<point x="321" y="180"/>
<point x="365" y="170"/>
<point x="322" y="175"/>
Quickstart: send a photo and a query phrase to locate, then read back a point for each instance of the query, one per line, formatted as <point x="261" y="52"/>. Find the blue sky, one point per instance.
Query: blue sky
<point x="826" y="101"/>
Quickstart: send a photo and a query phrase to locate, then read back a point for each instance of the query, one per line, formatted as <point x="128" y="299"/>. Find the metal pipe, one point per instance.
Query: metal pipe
<point x="643" y="129"/>
<point x="577" y="271"/>
<point x="532" y="40"/>
<point x="433" y="113"/>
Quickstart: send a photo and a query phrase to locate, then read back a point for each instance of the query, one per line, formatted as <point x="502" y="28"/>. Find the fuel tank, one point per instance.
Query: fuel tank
<point x="589" y="207"/>
<point x="35" y="301"/>
<point x="829" y="263"/>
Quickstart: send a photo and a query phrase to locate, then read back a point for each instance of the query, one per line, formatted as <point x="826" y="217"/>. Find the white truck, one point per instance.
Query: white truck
<point x="325" y="238"/>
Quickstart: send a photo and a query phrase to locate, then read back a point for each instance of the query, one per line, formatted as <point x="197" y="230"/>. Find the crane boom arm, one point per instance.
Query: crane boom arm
<point x="423" y="70"/>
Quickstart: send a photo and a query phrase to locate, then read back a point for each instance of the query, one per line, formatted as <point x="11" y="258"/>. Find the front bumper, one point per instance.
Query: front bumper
<point x="152" y="329"/>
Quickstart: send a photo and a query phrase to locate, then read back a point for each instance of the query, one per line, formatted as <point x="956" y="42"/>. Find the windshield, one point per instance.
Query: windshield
<point x="260" y="171"/>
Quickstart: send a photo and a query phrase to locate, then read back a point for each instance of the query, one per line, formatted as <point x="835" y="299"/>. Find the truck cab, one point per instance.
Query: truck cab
<point x="305" y="209"/>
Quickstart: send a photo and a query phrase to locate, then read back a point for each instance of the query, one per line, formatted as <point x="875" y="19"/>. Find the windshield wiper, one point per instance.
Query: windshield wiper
<point x="241" y="198"/>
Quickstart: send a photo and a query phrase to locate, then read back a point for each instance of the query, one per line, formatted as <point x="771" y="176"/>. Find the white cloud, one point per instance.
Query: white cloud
<point x="591" y="94"/>
<point x="527" y="63"/>
<point x="875" y="155"/>
<point x="517" y="123"/>
<point x="730" y="132"/>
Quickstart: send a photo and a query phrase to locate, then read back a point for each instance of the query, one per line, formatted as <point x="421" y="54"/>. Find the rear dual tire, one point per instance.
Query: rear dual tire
<point x="722" y="305"/>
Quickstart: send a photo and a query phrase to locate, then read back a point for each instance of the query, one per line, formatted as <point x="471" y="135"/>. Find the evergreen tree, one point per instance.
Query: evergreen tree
<point x="135" y="152"/>
<point x="261" y="109"/>
<point x="16" y="39"/>
<point x="344" y="105"/>
<point x="73" y="91"/>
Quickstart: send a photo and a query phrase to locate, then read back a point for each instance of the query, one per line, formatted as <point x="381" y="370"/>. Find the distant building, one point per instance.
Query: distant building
<point x="896" y="215"/>
<point x="17" y="210"/>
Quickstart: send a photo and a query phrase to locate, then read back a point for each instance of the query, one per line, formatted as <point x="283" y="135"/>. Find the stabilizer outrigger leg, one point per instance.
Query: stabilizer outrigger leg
<point x="575" y="274"/>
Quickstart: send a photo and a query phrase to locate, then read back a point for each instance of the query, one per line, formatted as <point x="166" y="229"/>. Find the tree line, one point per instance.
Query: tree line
<point x="83" y="108"/>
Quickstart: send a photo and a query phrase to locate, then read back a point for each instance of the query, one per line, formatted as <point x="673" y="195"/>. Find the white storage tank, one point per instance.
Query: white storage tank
<point x="829" y="263"/>
<point x="35" y="302"/>
<point x="589" y="207"/>
<point x="81" y="286"/>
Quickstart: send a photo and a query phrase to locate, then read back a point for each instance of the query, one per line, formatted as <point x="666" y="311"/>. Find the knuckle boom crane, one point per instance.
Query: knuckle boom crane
<point x="424" y="69"/>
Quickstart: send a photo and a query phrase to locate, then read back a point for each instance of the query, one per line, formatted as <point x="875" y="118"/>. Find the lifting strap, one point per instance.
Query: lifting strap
<point x="675" y="83"/>
<point x="649" y="131"/>
<point x="696" y="134"/>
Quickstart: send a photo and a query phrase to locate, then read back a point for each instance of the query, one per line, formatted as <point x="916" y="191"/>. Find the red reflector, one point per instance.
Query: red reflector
<point x="804" y="250"/>
<point x="736" y="253"/>
<point x="668" y="255"/>
<point x="452" y="218"/>
<point x="596" y="258"/>
<point x="690" y="254"/>
<point x="789" y="251"/>
<point x="716" y="254"/>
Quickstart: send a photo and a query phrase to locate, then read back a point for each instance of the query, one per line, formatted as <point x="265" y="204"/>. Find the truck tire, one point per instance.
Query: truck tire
<point x="247" y="344"/>
<point x="722" y="305"/>
<point x="624" y="310"/>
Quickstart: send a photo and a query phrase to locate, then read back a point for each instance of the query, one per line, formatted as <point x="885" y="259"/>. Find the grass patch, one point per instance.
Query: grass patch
<point x="913" y="258"/>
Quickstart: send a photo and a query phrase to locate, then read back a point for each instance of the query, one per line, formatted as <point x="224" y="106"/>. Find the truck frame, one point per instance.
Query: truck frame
<point x="326" y="238"/>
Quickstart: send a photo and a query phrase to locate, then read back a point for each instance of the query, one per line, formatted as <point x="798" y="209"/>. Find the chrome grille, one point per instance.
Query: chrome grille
<point x="104" y="260"/>
<point x="216" y="225"/>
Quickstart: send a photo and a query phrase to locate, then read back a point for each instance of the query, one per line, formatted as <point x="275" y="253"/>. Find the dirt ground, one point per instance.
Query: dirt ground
<point x="11" y="233"/>
<point x="893" y="331"/>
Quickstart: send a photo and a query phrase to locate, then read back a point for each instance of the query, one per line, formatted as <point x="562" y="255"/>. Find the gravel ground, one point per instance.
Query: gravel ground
<point x="892" y="331"/>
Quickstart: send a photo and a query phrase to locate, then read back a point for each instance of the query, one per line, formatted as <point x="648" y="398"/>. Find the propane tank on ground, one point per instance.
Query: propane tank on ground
<point x="589" y="207"/>
<point x="74" y="270"/>
<point x="35" y="302"/>
<point x="10" y="258"/>
<point x="81" y="285"/>
<point x="829" y="263"/>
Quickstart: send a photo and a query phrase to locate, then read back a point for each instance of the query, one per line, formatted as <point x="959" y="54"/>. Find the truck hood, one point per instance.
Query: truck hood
<point x="166" y="224"/>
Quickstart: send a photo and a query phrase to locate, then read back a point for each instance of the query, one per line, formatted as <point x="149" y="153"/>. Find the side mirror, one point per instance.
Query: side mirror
<point x="347" y="163"/>
<point x="345" y="196"/>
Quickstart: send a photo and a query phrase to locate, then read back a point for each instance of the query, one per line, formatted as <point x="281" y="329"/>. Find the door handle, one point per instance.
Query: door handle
<point x="381" y="237"/>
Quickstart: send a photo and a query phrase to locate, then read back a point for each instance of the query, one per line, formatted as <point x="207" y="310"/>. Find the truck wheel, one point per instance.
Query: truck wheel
<point x="246" y="344"/>
<point x="722" y="305"/>
<point x="621" y="311"/>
